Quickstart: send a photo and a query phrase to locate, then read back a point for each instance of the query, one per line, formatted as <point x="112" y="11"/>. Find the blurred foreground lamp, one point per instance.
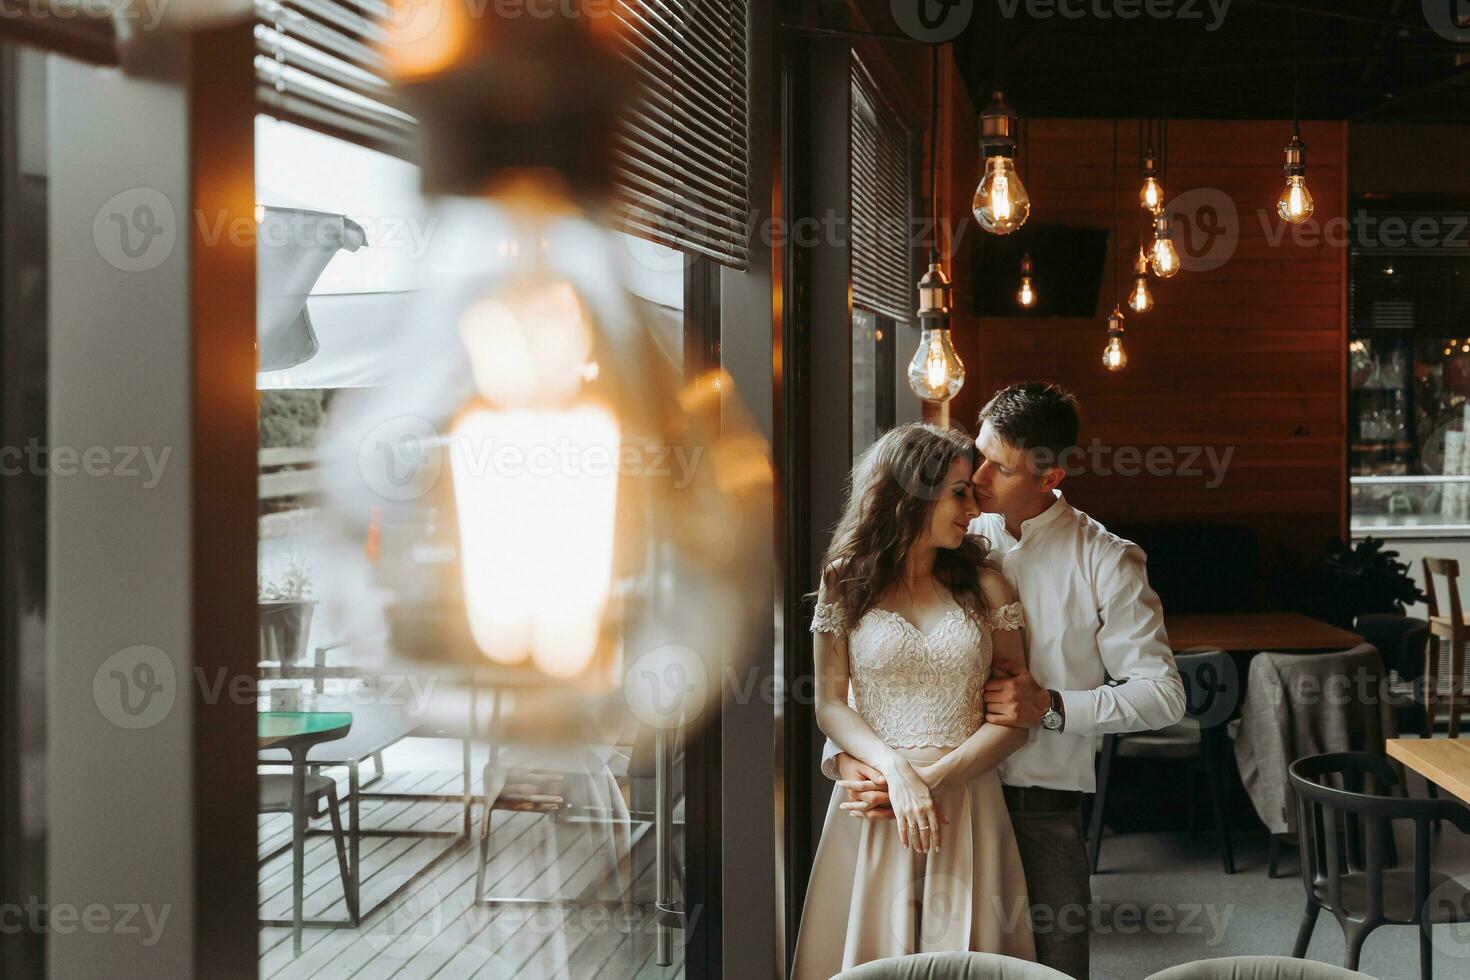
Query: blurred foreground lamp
<point x="1001" y="204"/>
<point x="1140" y="300"/>
<point x="1115" y="358"/>
<point x="1295" y="204"/>
<point x="529" y="376"/>
<point x="1027" y="294"/>
<point x="1162" y="255"/>
<point x="936" y="372"/>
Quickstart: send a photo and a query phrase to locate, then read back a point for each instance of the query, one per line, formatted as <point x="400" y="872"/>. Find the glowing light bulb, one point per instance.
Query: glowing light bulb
<point x="1115" y="358"/>
<point x="1163" y="257"/>
<point x="936" y="372"/>
<point x="1151" y="195"/>
<point x="528" y="348"/>
<point x="1140" y="300"/>
<point x="1001" y="203"/>
<point x="1295" y="204"/>
<point x="1026" y="297"/>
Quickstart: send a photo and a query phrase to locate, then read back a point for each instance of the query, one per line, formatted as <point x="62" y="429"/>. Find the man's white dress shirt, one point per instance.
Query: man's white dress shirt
<point x="1090" y="615"/>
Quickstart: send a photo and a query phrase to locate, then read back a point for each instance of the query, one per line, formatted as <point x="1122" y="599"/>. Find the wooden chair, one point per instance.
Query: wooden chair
<point x="1454" y="631"/>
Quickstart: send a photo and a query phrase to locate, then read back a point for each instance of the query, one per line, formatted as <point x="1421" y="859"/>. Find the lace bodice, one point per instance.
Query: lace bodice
<point x="918" y="689"/>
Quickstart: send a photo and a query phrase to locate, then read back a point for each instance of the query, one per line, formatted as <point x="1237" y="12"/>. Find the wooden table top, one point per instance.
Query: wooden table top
<point x="1444" y="761"/>
<point x="1253" y="632"/>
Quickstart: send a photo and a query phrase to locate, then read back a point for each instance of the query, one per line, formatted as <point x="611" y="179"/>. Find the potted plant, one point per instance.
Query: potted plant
<point x="285" y="607"/>
<point x="1364" y="578"/>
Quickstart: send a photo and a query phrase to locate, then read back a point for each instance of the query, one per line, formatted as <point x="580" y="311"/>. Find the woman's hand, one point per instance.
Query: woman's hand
<point x="913" y="805"/>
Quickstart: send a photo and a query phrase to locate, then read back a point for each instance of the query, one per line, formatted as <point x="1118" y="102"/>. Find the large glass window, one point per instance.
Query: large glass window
<point x="450" y="850"/>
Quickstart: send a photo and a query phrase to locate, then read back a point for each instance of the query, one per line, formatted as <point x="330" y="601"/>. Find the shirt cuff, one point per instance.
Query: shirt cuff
<point x="829" y="760"/>
<point x="1079" y="710"/>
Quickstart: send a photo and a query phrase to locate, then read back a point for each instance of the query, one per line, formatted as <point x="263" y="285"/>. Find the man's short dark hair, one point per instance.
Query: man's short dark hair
<point x="1035" y="416"/>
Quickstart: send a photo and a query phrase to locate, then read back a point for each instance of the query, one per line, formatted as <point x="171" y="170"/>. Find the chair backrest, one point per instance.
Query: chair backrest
<point x="1401" y="640"/>
<point x="1450" y="569"/>
<point x="1343" y="827"/>
<point x="951" y="966"/>
<point x="1258" y="968"/>
<point x="1211" y="686"/>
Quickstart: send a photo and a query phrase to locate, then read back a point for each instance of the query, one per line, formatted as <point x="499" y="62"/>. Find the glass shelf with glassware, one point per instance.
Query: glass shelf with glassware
<point x="1412" y="506"/>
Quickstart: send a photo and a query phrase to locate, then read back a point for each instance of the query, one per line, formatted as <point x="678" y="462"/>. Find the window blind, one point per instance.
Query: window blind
<point x="881" y="202"/>
<point x="682" y="150"/>
<point x="317" y="64"/>
<point x="84" y="32"/>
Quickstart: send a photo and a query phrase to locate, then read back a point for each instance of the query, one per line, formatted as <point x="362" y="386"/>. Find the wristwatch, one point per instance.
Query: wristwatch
<point x="1053" y="720"/>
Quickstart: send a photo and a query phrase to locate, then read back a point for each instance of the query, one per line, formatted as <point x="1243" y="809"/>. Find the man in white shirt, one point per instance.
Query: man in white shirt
<point x="1090" y="616"/>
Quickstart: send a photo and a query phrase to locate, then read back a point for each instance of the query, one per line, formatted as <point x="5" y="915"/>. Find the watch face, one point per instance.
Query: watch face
<point x="1051" y="720"/>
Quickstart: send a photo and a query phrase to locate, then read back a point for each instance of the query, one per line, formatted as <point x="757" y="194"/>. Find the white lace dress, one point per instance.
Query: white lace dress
<point x="870" y="897"/>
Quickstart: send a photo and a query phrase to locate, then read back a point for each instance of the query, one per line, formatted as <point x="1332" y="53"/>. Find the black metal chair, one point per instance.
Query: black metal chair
<point x="1211" y="693"/>
<point x="1347" y="860"/>
<point x="275" y="797"/>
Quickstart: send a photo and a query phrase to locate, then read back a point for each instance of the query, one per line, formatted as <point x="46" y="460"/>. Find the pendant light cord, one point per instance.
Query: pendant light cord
<point x="1117" y="243"/>
<point x="934" y="151"/>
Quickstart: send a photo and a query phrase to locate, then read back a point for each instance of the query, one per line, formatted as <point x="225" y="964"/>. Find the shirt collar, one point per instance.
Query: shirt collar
<point x="1058" y="506"/>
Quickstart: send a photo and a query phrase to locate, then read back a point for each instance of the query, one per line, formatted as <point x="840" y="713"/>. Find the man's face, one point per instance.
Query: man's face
<point x="1004" y="481"/>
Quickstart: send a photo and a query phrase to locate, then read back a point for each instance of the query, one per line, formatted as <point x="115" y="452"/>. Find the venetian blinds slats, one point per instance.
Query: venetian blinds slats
<point x="881" y="200"/>
<point x="317" y="64"/>
<point x="682" y="150"/>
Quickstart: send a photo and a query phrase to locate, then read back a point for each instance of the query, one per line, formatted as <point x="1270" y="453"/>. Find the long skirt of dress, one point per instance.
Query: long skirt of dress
<point x="870" y="897"/>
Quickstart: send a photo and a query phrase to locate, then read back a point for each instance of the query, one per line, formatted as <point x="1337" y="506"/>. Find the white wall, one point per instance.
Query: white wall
<point x="119" y="798"/>
<point x="1414" y="550"/>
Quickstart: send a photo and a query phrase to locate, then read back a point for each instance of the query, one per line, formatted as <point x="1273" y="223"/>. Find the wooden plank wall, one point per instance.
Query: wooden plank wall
<point x="1246" y="358"/>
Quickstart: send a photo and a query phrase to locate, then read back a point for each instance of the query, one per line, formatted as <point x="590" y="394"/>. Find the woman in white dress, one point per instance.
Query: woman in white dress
<point x="909" y="618"/>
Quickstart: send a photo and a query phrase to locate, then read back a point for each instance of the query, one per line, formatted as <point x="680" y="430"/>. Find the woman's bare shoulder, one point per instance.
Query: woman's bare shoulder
<point x="995" y="587"/>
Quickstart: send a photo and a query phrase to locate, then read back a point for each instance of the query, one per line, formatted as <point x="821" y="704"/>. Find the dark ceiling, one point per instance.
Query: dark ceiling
<point x="1356" y="59"/>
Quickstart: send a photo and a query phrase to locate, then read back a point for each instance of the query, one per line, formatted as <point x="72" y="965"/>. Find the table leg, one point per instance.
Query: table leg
<point x="298" y="848"/>
<point x="355" y="894"/>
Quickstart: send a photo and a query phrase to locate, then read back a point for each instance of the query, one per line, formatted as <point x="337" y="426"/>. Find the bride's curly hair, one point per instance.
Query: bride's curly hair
<point x="890" y="494"/>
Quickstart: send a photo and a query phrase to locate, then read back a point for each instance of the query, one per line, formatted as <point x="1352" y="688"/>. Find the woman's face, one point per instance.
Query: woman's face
<point x="950" y="517"/>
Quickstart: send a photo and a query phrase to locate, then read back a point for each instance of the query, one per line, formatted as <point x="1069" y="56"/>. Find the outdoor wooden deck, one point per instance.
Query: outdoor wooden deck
<point x="432" y="929"/>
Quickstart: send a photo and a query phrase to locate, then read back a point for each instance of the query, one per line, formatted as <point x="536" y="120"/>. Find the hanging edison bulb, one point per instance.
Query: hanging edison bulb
<point x="1163" y="257"/>
<point x="1295" y="204"/>
<point x="936" y="372"/>
<point x="511" y="496"/>
<point x="1151" y="195"/>
<point x="1115" y="358"/>
<point x="1001" y="203"/>
<point x="1026" y="295"/>
<point x="1140" y="300"/>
